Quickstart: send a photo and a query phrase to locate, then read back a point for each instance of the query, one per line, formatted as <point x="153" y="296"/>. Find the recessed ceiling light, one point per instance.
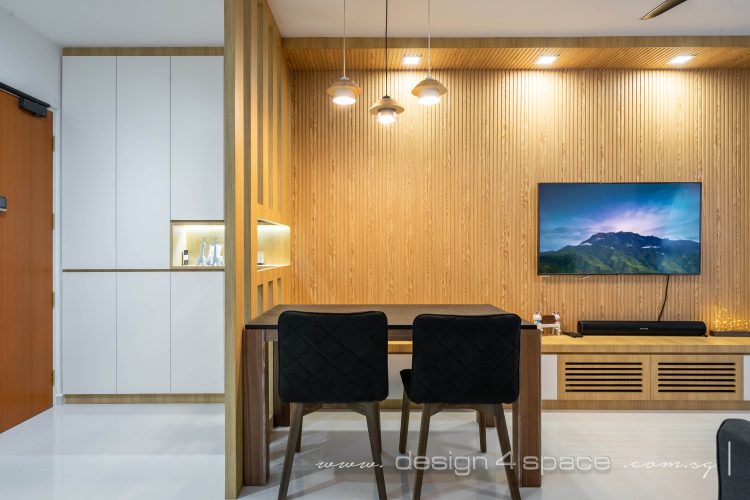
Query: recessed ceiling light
<point x="547" y="59"/>
<point x="682" y="59"/>
<point x="411" y="60"/>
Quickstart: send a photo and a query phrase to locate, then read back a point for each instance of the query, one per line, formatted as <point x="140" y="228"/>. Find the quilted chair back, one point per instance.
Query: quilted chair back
<point x="465" y="359"/>
<point x="333" y="357"/>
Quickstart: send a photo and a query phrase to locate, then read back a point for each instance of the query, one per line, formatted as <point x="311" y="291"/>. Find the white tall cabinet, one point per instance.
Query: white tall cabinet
<point x="142" y="145"/>
<point x="89" y="353"/>
<point x="197" y="332"/>
<point x="143" y="333"/>
<point x="89" y="136"/>
<point x="197" y="138"/>
<point x="143" y="149"/>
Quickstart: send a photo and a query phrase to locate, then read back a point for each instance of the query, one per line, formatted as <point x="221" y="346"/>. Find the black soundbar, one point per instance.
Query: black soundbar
<point x="655" y="328"/>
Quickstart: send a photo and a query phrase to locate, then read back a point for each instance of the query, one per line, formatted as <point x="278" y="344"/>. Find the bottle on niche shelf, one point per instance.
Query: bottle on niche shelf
<point x="202" y="259"/>
<point x="185" y="257"/>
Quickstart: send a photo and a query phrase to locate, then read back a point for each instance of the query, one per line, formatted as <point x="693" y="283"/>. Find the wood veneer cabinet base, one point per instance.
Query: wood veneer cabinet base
<point x="641" y="373"/>
<point x="623" y="405"/>
<point x="649" y="373"/>
<point x="647" y="405"/>
<point x="142" y="398"/>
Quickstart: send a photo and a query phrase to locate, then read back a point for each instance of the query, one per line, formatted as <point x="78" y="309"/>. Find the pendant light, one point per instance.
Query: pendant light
<point x="429" y="91"/>
<point x="344" y="92"/>
<point x="386" y="108"/>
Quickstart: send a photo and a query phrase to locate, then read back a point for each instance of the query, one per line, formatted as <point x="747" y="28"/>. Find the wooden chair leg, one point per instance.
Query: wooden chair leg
<point x="424" y="430"/>
<point x="295" y="430"/>
<point x="372" y="429"/>
<point x="482" y="432"/>
<point x="502" y="435"/>
<point x="380" y="431"/>
<point x="404" y="431"/>
<point x="298" y="448"/>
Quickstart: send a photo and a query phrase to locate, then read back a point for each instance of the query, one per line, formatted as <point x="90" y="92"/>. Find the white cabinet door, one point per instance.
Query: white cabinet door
<point x="198" y="138"/>
<point x="549" y="377"/>
<point x="143" y="98"/>
<point x="198" y="332"/>
<point x="89" y="333"/>
<point x="88" y="162"/>
<point x="143" y="333"/>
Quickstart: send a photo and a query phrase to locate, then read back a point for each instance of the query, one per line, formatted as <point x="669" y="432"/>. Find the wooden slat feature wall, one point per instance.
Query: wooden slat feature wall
<point x="521" y="53"/>
<point x="441" y="207"/>
<point x="473" y="59"/>
<point x="235" y="252"/>
<point x="258" y="186"/>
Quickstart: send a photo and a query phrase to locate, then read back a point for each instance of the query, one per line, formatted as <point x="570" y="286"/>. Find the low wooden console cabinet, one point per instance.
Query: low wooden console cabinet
<point x="660" y="373"/>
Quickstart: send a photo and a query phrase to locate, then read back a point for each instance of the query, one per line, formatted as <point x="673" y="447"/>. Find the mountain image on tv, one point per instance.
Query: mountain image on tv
<point x="650" y="228"/>
<point x="624" y="253"/>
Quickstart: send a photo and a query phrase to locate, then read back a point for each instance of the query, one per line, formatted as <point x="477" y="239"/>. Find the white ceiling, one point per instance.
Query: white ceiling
<point x="73" y="23"/>
<point x="501" y="18"/>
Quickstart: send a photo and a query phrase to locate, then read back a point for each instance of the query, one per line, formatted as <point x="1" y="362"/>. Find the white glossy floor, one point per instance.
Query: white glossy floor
<point x="165" y="452"/>
<point x="123" y="452"/>
<point x="623" y="437"/>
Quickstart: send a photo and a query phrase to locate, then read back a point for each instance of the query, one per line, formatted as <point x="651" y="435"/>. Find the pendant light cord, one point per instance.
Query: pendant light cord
<point x="386" y="47"/>
<point x="343" y="52"/>
<point x="429" y="39"/>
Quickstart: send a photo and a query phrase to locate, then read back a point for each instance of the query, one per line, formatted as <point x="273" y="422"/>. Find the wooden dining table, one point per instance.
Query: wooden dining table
<point x="259" y="398"/>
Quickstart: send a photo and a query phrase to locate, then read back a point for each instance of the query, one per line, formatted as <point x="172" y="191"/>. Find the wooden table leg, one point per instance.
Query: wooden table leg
<point x="527" y="417"/>
<point x="280" y="408"/>
<point x="255" y="408"/>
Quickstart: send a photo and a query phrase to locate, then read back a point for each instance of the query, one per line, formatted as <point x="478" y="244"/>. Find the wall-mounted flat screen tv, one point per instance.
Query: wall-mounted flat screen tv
<point x="620" y="228"/>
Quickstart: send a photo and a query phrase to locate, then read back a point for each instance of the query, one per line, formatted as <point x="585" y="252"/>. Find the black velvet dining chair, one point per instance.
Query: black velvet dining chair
<point x="333" y="358"/>
<point x="468" y="362"/>
<point x="733" y="459"/>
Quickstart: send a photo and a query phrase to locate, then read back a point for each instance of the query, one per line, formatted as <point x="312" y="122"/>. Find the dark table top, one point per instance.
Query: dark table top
<point x="400" y="316"/>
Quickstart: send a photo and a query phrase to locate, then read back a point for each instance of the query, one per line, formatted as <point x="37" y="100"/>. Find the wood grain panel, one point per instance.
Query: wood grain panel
<point x="521" y="53"/>
<point x="646" y="405"/>
<point x="258" y="186"/>
<point x="473" y="59"/>
<point x="606" y="344"/>
<point x="236" y="253"/>
<point x="702" y="378"/>
<point x="615" y="404"/>
<point x="604" y="377"/>
<point x="143" y="51"/>
<point x="86" y="399"/>
<point x="591" y="42"/>
<point x="442" y="206"/>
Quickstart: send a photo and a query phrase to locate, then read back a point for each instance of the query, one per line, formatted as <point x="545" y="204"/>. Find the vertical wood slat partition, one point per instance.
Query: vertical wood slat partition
<point x="258" y="186"/>
<point x="441" y="207"/>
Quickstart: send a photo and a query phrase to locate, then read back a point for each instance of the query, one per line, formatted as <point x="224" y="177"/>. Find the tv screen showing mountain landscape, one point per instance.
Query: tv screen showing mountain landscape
<point x="638" y="228"/>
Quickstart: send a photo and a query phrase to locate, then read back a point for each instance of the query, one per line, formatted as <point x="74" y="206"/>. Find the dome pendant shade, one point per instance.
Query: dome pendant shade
<point x="386" y="109"/>
<point x="344" y="92"/>
<point x="429" y="91"/>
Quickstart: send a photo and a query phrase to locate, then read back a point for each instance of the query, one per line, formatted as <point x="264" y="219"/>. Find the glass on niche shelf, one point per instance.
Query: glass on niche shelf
<point x="274" y="245"/>
<point x="198" y="245"/>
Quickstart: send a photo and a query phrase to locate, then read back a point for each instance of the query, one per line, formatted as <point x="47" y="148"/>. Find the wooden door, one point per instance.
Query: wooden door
<point x="25" y="264"/>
